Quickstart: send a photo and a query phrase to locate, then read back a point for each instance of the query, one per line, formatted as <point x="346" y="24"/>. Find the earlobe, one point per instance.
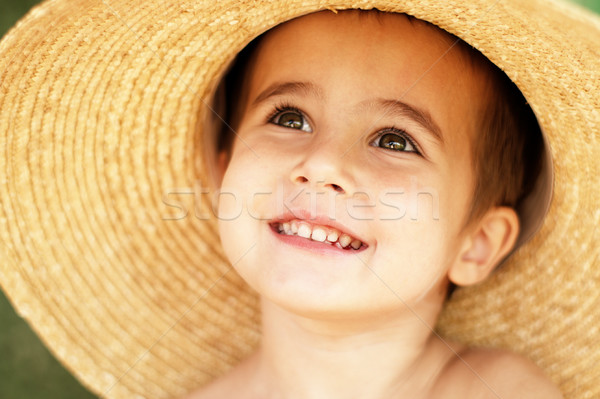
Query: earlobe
<point x="485" y="246"/>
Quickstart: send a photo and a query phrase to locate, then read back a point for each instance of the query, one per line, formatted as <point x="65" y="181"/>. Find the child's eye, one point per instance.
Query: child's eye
<point x="290" y="118"/>
<point x="395" y="140"/>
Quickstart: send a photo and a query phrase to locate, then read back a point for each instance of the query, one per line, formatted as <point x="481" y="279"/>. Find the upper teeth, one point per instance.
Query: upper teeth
<point x="318" y="233"/>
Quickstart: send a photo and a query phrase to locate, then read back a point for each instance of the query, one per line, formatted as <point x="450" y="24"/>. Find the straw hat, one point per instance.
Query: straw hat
<point x="102" y="140"/>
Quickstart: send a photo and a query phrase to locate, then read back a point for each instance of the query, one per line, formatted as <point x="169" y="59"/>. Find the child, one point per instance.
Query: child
<point x="364" y="164"/>
<point x="334" y="104"/>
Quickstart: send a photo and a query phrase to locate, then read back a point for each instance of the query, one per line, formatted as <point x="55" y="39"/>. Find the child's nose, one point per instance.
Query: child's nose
<point x="324" y="165"/>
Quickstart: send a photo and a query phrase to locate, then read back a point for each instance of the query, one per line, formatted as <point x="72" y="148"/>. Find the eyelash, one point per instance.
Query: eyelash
<point x="400" y="132"/>
<point x="286" y="107"/>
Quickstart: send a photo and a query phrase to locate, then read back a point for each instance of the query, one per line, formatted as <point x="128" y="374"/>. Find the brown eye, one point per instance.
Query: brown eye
<point x="292" y="119"/>
<point x="393" y="141"/>
<point x="390" y="140"/>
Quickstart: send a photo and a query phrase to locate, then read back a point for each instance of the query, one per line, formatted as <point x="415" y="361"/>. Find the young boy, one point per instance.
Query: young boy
<point x="362" y="151"/>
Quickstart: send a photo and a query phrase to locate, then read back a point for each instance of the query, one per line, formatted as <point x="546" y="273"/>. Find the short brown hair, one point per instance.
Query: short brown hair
<point x="508" y="151"/>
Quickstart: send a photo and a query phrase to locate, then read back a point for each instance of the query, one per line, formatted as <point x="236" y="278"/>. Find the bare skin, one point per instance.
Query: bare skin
<point x="343" y="324"/>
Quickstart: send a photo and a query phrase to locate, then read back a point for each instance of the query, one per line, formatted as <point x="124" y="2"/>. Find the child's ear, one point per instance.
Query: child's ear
<point x="222" y="162"/>
<point x="485" y="245"/>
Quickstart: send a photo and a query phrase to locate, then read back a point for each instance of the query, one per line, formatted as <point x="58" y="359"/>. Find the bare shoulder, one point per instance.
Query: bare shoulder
<point x="237" y="383"/>
<point x="488" y="373"/>
<point x="225" y="387"/>
<point x="221" y="388"/>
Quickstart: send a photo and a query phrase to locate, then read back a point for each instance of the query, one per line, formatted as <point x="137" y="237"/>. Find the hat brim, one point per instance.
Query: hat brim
<point x="109" y="247"/>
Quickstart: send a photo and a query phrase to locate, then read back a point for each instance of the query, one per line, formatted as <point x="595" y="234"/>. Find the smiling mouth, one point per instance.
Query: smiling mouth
<point x="324" y="234"/>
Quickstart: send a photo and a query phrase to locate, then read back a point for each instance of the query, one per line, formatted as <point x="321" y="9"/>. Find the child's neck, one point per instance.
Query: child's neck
<point x="377" y="358"/>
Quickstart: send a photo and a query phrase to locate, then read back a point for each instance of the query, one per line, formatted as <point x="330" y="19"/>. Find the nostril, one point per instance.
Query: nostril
<point x="303" y="179"/>
<point x="337" y="188"/>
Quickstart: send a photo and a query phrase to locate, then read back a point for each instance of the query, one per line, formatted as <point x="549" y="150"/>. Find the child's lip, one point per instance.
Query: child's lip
<point x="313" y="222"/>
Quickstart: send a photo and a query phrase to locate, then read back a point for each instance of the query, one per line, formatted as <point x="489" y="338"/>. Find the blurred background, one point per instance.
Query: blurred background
<point x="27" y="369"/>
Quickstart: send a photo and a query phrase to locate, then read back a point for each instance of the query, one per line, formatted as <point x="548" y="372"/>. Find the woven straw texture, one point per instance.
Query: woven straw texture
<point x="101" y="104"/>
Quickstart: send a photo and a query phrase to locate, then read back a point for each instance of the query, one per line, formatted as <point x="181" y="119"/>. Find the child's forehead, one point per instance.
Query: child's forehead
<point x="361" y="36"/>
<point x="380" y="26"/>
<point x="420" y="57"/>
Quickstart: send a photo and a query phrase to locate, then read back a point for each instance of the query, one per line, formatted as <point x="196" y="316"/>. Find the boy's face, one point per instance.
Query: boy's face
<point x="363" y="125"/>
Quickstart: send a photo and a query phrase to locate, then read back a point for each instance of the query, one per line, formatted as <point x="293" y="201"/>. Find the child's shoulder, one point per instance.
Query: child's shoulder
<point x="491" y="373"/>
<point x="472" y="373"/>
<point x="238" y="384"/>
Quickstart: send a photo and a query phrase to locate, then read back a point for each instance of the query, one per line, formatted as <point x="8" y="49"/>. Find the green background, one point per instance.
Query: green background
<point x="27" y="370"/>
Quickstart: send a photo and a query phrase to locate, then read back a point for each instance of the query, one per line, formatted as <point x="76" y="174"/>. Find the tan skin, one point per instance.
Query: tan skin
<point x="357" y="324"/>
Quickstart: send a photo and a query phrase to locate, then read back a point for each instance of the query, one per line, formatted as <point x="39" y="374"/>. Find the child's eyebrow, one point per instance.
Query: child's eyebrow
<point x="397" y="108"/>
<point x="393" y="108"/>
<point x="279" y="88"/>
